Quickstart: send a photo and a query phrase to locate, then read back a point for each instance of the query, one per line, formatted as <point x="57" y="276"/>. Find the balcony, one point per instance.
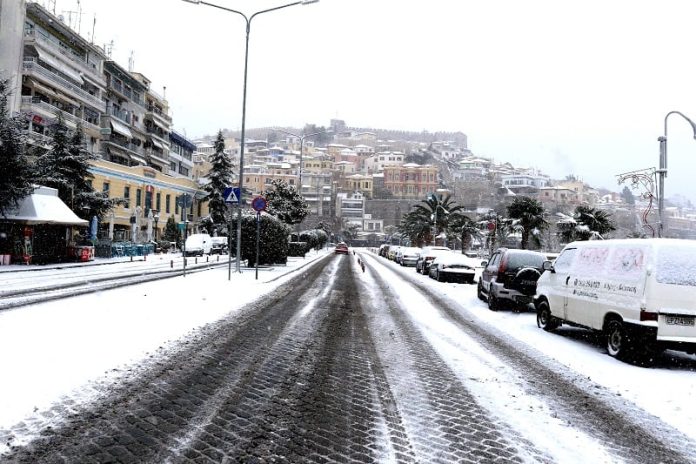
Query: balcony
<point x="133" y="149"/>
<point x="124" y="92"/>
<point x="155" y="112"/>
<point x="43" y="41"/>
<point x="33" y="68"/>
<point x="30" y="103"/>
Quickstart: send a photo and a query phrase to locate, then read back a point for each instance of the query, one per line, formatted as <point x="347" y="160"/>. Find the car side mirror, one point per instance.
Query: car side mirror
<point x="548" y="266"/>
<point x="484" y="263"/>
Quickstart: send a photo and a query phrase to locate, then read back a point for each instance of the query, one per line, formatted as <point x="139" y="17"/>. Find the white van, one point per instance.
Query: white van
<point x="640" y="293"/>
<point x="197" y="245"/>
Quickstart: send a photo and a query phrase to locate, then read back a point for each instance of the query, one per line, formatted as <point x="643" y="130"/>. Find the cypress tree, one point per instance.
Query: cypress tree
<point x="219" y="177"/>
<point x="15" y="170"/>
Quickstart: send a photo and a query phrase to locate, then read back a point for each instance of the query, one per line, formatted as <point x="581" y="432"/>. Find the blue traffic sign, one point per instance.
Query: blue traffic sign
<point x="231" y="195"/>
<point x="259" y="204"/>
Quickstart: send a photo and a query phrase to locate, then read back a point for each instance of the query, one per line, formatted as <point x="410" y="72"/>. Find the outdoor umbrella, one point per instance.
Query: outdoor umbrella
<point x="149" y="226"/>
<point x="111" y="226"/>
<point x="93" y="226"/>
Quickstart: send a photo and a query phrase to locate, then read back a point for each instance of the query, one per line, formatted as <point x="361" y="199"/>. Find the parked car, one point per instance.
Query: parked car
<point x="391" y="254"/>
<point x="427" y="254"/>
<point x="510" y="278"/>
<point x="341" y="249"/>
<point x="383" y="249"/>
<point x="639" y="293"/>
<point x="218" y="245"/>
<point x="407" y="256"/>
<point x="198" y="245"/>
<point x="453" y="267"/>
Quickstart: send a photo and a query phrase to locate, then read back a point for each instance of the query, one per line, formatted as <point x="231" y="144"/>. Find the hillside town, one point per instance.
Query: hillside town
<point x="357" y="182"/>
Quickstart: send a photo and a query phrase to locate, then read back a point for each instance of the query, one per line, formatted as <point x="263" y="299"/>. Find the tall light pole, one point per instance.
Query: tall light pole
<point x="246" y="62"/>
<point x="302" y="138"/>
<point x="662" y="172"/>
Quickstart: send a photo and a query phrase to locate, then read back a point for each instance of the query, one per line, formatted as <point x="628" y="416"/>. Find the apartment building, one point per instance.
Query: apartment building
<point x="61" y="73"/>
<point x="358" y="183"/>
<point x="377" y="162"/>
<point x="410" y="180"/>
<point x="180" y="155"/>
<point x="58" y="72"/>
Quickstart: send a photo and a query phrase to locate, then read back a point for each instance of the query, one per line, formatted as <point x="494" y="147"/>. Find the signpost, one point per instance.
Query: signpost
<point x="184" y="201"/>
<point x="259" y="204"/>
<point x="231" y="196"/>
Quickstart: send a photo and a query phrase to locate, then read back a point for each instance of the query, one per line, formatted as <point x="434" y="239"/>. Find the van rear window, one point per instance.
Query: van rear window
<point x="676" y="265"/>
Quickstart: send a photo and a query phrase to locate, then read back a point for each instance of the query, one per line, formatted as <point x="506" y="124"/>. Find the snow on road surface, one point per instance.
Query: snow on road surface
<point x="58" y="349"/>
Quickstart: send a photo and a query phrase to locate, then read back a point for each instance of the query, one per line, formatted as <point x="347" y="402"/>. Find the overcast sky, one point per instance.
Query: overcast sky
<point x="568" y="87"/>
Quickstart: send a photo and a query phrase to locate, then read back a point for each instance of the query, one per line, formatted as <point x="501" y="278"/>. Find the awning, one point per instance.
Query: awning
<point x="57" y="65"/>
<point x="44" y="89"/>
<point x="156" y="143"/>
<point x="44" y="207"/>
<point x="121" y="129"/>
<point x="86" y="77"/>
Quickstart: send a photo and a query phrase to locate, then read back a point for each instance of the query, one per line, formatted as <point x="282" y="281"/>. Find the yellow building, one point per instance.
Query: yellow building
<point x="358" y="183"/>
<point x="146" y="189"/>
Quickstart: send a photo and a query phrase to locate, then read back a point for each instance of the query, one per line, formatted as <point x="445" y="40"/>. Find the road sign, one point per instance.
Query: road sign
<point x="231" y="195"/>
<point x="259" y="204"/>
<point x="491" y="226"/>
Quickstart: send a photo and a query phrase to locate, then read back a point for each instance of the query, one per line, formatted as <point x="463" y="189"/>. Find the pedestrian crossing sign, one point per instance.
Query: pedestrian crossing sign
<point x="231" y="195"/>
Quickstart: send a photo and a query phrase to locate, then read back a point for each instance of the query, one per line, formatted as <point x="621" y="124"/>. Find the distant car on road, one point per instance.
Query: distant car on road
<point x="218" y="245"/>
<point x="341" y="249"/>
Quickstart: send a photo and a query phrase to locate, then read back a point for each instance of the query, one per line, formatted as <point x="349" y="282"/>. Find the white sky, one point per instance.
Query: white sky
<point x="569" y="87"/>
<point x="133" y="326"/>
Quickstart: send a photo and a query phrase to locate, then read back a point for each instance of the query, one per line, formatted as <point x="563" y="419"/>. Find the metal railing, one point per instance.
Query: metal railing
<point x="54" y="109"/>
<point x="32" y="67"/>
<point x="126" y="145"/>
<point x="84" y="65"/>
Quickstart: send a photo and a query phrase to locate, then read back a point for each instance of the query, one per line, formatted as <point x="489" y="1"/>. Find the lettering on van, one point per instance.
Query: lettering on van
<point x="586" y="283"/>
<point x="620" y="288"/>
<point x="589" y="294"/>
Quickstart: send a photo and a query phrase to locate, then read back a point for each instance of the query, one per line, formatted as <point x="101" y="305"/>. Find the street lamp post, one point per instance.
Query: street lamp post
<point x="662" y="172"/>
<point x="302" y="139"/>
<point x="244" y="94"/>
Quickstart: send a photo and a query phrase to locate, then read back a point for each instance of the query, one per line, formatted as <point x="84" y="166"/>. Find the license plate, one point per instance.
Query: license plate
<point x="679" y="320"/>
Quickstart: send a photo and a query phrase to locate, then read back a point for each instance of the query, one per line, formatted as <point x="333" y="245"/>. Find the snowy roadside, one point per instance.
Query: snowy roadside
<point x="666" y="390"/>
<point x="55" y="350"/>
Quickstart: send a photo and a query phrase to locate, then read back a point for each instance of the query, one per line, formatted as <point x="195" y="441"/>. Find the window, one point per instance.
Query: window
<point x="158" y="202"/>
<point x="105" y="188"/>
<point x="138" y="197"/>
<point x="126" y="196"/>
<point x="167" y="201"/>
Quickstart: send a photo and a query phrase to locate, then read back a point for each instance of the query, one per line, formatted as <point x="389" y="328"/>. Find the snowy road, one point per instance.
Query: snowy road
<point x="337" y="365"/>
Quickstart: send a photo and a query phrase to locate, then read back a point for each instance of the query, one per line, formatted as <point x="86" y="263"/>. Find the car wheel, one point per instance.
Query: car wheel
<point x="618" y="342"/>
<point x="479" y="292"/>
<point x="493" y="303"/>
<point x="544" y="318"/>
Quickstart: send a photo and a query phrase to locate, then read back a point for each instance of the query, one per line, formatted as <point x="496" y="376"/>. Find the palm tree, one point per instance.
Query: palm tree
<point x="417" y="228"/>
<point x="434" y="211"/>
<point x="466" y="228"/>
<point x="527" y="215"/>
<point x="587" y="223"/>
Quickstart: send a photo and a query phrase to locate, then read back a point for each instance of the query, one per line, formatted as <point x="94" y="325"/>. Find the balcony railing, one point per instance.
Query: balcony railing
<point x="84" y="65"/>
<point x="32" y="67"/>
<point x="125" y="145"/>
<point x="156" y="112"/>
<point x="31" y="101"/>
